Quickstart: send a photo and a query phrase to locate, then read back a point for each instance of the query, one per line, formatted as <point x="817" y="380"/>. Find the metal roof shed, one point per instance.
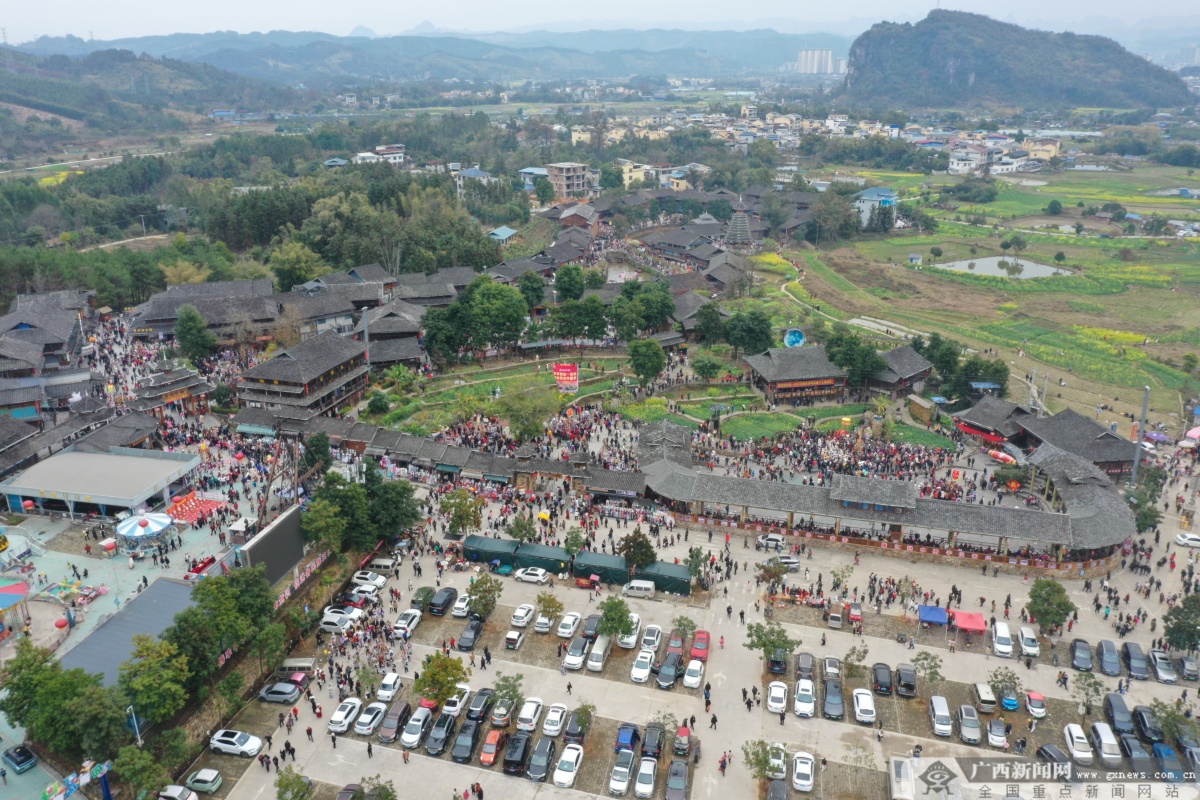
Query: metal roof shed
<point x="551" y="559"/>
<point x="668" y="577"/>
<point x="485" y="549"/>
<point x="611" y="569"/>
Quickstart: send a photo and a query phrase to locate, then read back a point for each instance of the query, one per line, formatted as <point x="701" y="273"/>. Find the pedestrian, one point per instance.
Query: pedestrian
<point x="309" y="732"/>
<point x="782" y="716"/>
<point x="745" y="694"/>
<point x="4" y="776"/>
<point x="712" y="723"/>
<point x="568" y="687"/>
<point x="693" y="722"/>
<point x="370" y="754"/>
<point x="275" y="761"/>
<point x="333" y="739"/>
<point x="267" y="739"/>
<point x="405" y="756"/>
<point x="479" y="791"/>
<point x="456" y="795"/>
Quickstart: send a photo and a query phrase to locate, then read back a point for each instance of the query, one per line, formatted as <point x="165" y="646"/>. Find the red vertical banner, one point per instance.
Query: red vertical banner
<point x="567" y="378"/>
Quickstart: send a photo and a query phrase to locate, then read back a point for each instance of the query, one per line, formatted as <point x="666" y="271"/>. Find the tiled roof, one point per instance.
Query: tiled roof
<point x="397" y="317"/>
<point x="995" y="414"/>
<point x="902" y="362"/>
<point x="394" y="351"/>
<point x="1073" y="432"/>
<point x="307" y="360"/>
<point x="794" y="364"/>
<point x="857" y="489"/>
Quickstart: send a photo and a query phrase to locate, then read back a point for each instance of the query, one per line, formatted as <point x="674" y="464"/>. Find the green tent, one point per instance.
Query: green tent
<point x="485" y="550"/>
<point x="551" y="559"/>
<point x="667" y="577"/>
<point x="611" y="569"/>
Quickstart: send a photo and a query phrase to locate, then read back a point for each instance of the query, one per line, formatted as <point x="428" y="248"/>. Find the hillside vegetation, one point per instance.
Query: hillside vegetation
<point x="955" y="58"/>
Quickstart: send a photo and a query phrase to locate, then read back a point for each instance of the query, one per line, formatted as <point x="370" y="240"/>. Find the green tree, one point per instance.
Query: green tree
<point x="1175" y="719"/>
<point x="440" y="676"/>
<point x="533" y="288"/>
<point x="709" y="325"/>
<point x="929" y="666"/>
<point x="1054" y="207"/>
<point x="756" y="758"/>
<point x="294" y="264"/>
<point x="638" y="550"/>
<point x="706" y="367"/>
<point x="97" y="715"/>
<point x="684" y="624"/>
<point x="217" y="598"/>
<point x="1049" y="604"/>
<point x="611" y="177"/>
<point x="351" y="498"/>
<point x="22" y="676"/>
<point x="194" y="636"/>
<point x="291" y="785"/>
<point x="464" y="509"/>
<point x="1190" y="361"/>
<point x="1060" y="257"/>
<point x="523" y="528"/>
<point x="229" y="691"/>
<point x="500" y="312"/>
<point x="269" y="644"/>
<point x="544" y="191"/>
<point x="316" y="453"/>
<point x="509" y="688"/>
<point x="192" y="335"/>
<point x="585" y="713"/>
<point x="549" y="604"/>
<point x="594" y="279"/>
<point x="484" y="594"/>
<point x="1003" y="679"/>
<point x="574" y="541"/>
<point x="593" y="318"/>
<point x="527" y="412"/>
<point x="769" y="637"/>
<point x="614" y="617"/>
<point x="647" y="359"/>
<point x="323" y="522"/>
<point x="749" y="331"/>
<point x="1088" y="691"/>
<point x="394" y="507"/>
<point x="379" y="403"/>
<point x="568" y="282"/>
<point x="936" y="252"/>
<point x="771" y="571"/>
<point x="155" y="678"/>
<point x="854" y="659"/>
<point x="1181" y="624"/>
<point x="696" y="561"/>
<point x="141" y="771"/>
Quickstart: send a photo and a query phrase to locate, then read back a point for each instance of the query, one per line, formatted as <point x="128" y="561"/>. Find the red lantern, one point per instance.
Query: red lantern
<point x="110" y="546"/>
<point x="179" y="499"/>
<point x="60" y="623"/>
<point x="28" y="504"/>
<point x="144" y="523"/>
<point x="240" y="456"/>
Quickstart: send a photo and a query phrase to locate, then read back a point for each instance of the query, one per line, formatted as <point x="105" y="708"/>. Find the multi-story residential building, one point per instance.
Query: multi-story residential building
<point x="318" y="376"/>
<point x="568" y="178"/>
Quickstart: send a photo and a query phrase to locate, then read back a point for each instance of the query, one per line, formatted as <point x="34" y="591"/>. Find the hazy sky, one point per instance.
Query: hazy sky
<point x="113" y="20"/>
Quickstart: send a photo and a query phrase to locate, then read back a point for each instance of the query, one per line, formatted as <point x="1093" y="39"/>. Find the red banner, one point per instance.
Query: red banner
<point x="567" y="378"/>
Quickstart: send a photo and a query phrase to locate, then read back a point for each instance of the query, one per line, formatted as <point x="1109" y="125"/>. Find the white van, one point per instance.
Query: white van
<point x="383" y="565"/>
<point x="291" y="666"/>
<point x="1002" y="643"/>
<point x="939" y="716"/>
<point x="985" y="699"/>
<point x="1104" y="742"/>
<point x="599" y="654"/>
<point x="643" y="589"/>
<point x="1029" y="643"/>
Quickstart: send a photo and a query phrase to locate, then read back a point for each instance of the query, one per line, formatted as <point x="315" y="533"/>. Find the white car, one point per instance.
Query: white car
<point x="532" y="575"/>
<point x="367" y="591"/>
<point x="339" y="626"/>
<point x="651" y="638"/>
<point x="389" y="687"/>
<point x="803" y="772"/>
<point x="1188" y="540"/>
<point x="523" y="616"/>
<point x="647" y="774"/>
<point x="456" y="704"/>
<point x="622" y="772"/>
<point x="777" y="762"/>
<point x="631" y="641"/>
<point x="1029" y="643"/>
<point x="407" y="622"/>
<point x="556" y="717"/>
<point x="770" y="541"/>
<point x="369" y="578"/>
<point x="693" y="676"/>
<point x="235" y="743"/>
<point x="176" y="792"/>
<point x="805" y="704"/>
<point x="1077" y="744"/>
<point x="417" y="726"/>
<point x="570" y="624"/>
<point x="531" y="712"/>
<point x="864" y="707"/>
<point x="568" y="766"/>
<point x="640" y="671"/>
<point x="349" y="612"/>
<point x="370" y="718"/>
<point x="543" y="624"/>
<point x="576" y="653"/>
<point x="345" y="715"/>
<point x="776" y="697"/>
<point x="462" y="606"/>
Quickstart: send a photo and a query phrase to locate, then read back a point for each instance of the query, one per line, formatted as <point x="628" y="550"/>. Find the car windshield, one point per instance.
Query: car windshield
<point x="804" y="694"/>
<point x="700" y="644"/>
<point x="413" y="726"/>
<point x="567" y="764"/>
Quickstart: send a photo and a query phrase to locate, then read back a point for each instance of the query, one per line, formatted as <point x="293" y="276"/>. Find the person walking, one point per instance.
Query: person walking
<point x="370" y="753"/>
<point x="712" y="723"/>
<point x="568" y="687"/>
<point x="309" y="732"/>
<point x="405" y="756"/>
<point x="333" y="740"/>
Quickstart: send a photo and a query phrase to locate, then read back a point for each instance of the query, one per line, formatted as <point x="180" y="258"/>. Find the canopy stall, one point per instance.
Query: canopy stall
<point x="143" y="533"/>
<point x="933" y="615"/>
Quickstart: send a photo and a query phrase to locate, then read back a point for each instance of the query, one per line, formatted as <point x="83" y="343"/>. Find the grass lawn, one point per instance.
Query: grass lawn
<point x="756" y="426"/>
<point x="911" y="435"/>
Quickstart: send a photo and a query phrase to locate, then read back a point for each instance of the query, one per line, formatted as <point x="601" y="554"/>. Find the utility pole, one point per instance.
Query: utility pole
<point x="1033" y="398"/>
<point x="142" y="217"/>
<point x="1137" y="444"/>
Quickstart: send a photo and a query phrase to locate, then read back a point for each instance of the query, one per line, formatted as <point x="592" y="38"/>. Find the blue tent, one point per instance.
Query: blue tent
<point x="935" y="615"/>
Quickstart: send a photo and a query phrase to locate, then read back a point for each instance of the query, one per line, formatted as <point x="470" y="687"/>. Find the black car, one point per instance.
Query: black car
<point x="835" y="706"/>
<point x="654" y="741"/>
<point x="1106" y="654"/>
<point x="670" y="671"/>
<point x="516" y="755"/>
<point x="470" y="635"/>
<point x="591" y="627"/>
<point x="440" y="735"/>
<point x="1135" y="661"/>
<point x="542" y="760"/>
<point x="1081" y="655"/>
<point x="481" y="704"/>
<point x="573" y="731"/>
<point x="1136" y="752"/>
<point x="443" y="601"/>
<point x="778" y="790"/>
<point x="1051" y="754"/>
<point x="806" y="667"/>
<point x="1146" y="723"/>
<point x="881" y="678"/>
<point x="466" y="741"/>
<point x="778" y="661"/>
<point x="1117" y="714"/>
<point x="906" y="680"/>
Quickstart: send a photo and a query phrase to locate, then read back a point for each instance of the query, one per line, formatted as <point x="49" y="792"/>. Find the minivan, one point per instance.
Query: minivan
<point x="599" y="654"/>
<point x="1029" y="643"/>
<point x="1135" y="661"/>
<point x="985" y="698"/>
<point x="443" y="601"/>
<point x="642" y="589"/>
<point x="384" y="566"/>
<point x="1105" y="744"/>
<point x="835" y="619"/>
<point x="939" y="715"/>
<point x="293" y="665"/>
<point x="394" y="721"/>
<point x="1002" y="645"/>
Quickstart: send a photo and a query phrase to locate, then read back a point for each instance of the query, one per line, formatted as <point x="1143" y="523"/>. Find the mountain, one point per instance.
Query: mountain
<point x="318" y="58"/>
<point x="956" y="58"/>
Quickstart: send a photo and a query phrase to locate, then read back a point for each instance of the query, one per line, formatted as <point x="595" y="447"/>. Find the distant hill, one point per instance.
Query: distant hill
<point x="318" y="58"/>
<point x="955" y="58"/>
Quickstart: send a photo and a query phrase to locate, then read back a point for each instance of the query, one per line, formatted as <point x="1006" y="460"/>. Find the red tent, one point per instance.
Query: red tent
<point x="970" y="430"/>
<point x="970" y="622"/>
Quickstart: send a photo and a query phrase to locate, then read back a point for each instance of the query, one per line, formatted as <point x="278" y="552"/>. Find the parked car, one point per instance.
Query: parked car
<point x="394" y="721"/>
<point x="440" y="735"/>
<point x="279" y="693"/>
<point x="675" y="642"/>
<point x="996" y="736"/>
<point x="531" y="713"/>
<point x="523" y="615"/>
<point x="389" y="687"/>
<point x="205" y="781"/>
<point x="345" y="714"/>
<point x="20" y="758"/>
<point x="455" y="705"/>
<point x="1116" y="712"/>
<point x="576" y="653"/>
<point x="569" y="624"/>
<point x="493" y="745"/>
<point x="655" y="741"/>
<point x="864" y="707"/>
<point x="466" y="741"/>
<point x="776" y="761"/>
<point x="369" y="719"/>
<point x="831" y="667"/>
<point x="407" y="622"/>
<point x="470" y="635"/>
<point x="804" y="770"/>
<point x="806" y="666"/>
<point x="518" y="753"/>
<point x="502" y="713"/>
<point x="969" y="729"/>
<point x="543" y="759"/>
<point x="1136" y="752"/>
<point x="418" y="725"/>
<point x="652" y="638"/>
<point x="1164" y="670"/>
<point x="643" y="665"/>
<point x="532" y="575"/>
<point x="176" y="792"/>
<point x="1106" y="654"/>
<point x="481" y="704"/>
<point x="693" y="676"/>
<point x="568" y="766"/>
<point x="1169" y="767"/>
<point x="834" y="707"/>
<point x="1081" y="655"/>
<point x="647" y="774"/>
<point x="629" y="736"/>
<point x="368" y="578"/>
<point x="230" y="742"/>
<point x="677" y="780"/>
<point x="574" y="732"/>
<point x="881" y="678"/>
<point x="462" y="607"/>
<point x="591" y="627"/>
<point x="1035" y="704"/>
<point x="776" y="697"/>
<point x="1189" y="668"/>
<point x="1148" y="728"/>
<point x="906" y="680"/>
<point x="777" y="664"/>
<point x="631" y="639"/>
<point x="622" y="773"/>
<point x="669" y="671"/>
<point x="543" y="624"/>
<point x="556" y="717"/>
<point x="805" y="702"/>
<point x="700" y="645"/>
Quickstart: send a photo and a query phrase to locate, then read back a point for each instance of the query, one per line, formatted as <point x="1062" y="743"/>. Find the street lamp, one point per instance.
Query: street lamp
<point x="136" y="729"/>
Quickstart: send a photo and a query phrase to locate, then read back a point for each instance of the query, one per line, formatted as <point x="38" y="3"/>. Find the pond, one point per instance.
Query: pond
<point x="1005" y="267"/>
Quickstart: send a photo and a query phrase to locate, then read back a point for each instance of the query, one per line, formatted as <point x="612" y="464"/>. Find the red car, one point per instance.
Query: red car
<point x="675" y="642"/>
<point x="700" y="643"/>
<point x="493" y="746"/>
<point x="347" y="599"/>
